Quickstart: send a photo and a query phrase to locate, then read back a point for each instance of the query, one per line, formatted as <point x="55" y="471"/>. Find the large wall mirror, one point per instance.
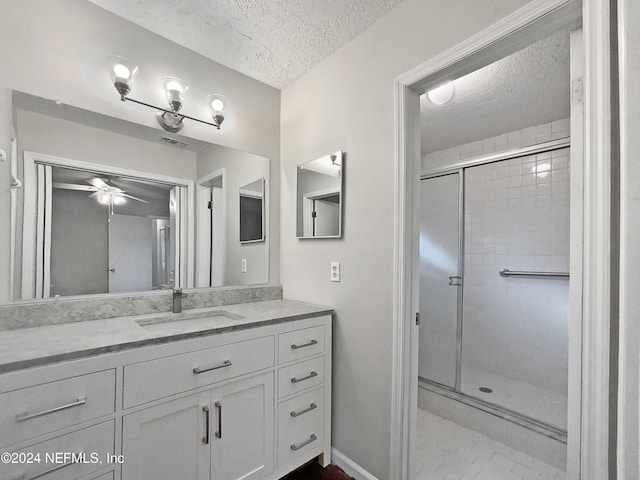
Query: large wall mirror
<point x="108" y="206"/>
<point x="319" y="197"/>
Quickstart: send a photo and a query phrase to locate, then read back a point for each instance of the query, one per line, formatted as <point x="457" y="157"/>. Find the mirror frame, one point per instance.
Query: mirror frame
<point x="340" y="157"/>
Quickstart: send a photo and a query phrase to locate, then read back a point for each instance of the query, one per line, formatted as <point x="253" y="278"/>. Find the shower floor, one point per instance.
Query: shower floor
<point x="446" y="451"/>
<point x="535" y="402"/>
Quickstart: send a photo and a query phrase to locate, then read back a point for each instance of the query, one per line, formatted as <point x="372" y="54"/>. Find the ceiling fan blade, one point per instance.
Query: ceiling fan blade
<point x="73" y="186"/>
<point x="98" y="183"/>
<point x="131" y="196"/>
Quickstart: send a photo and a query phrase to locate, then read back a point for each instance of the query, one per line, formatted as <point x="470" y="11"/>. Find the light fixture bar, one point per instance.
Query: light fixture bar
<point x="181" y="115"/>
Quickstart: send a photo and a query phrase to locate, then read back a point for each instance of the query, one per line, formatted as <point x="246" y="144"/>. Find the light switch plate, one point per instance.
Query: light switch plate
<point x="3" y="156"/>
<point x="243" y="266"/>
<point x="335" y="271"/>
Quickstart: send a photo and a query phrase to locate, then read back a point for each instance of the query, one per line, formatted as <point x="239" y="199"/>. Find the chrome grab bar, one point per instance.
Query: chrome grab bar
<point x="302" y="379"/>
<point x="295" y="447"/>
<point x="226" y="363"/>
<point x="23" y="417"/>
<point x="295" y="414"/>
<point x="308" y="344"/>
<point x="505" y="272"/>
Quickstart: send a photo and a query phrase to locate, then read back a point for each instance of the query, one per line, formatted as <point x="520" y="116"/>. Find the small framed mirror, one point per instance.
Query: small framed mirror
<point x="252" y="212"/>
<point x="319" y="197"/>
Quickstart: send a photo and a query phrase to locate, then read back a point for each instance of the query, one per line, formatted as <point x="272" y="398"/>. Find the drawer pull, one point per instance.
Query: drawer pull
<point x="23" y="417"/>
<point x="308" y="344"/>
<point x="205" y="439"/>
<point x="295" y="447"/>
<point x="47" y="472"/>
<point x="302" y="379"/>
<point x="218" y="406"/>
<point x="295" y="414"/>
<point x="226" y="363"/>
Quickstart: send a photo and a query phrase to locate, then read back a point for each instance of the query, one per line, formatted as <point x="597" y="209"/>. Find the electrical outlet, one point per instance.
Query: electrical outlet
<point x="243" y="265"/>
<point x="335" y="271"/>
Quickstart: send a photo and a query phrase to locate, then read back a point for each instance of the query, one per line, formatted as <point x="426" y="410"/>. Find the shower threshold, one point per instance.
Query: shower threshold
<point x="543" y="428"/>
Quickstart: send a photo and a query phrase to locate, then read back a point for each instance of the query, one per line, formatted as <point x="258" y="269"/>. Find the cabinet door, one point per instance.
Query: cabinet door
<point x="242" y="443"/>
<point x="168" y="441"/>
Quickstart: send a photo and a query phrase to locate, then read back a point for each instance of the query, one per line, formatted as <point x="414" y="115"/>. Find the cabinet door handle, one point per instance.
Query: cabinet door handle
<point x="47" y="472"/>
<point x="295" y="447"/>
<point x="218" y="406"/>
<point x="308" y="344"/>
<point x="302" y="379"/>
<point x="295" y="414"/>
<point x="23" y="417"/>
<point x="226" y="363"/>
<point x="205" y="439"/>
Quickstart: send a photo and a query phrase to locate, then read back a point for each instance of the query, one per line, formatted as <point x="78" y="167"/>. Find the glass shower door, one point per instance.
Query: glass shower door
<point x="439" y="279"/>
<point x="515" y="342"/>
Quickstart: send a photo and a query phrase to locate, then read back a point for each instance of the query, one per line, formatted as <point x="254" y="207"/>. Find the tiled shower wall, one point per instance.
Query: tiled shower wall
<point x="507" y="141"/>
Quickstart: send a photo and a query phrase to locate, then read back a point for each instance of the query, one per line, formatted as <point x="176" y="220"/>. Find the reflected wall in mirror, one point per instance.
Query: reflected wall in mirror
<point x="111" y="206"/>
<point x="319" y="197"/>
<point x="252" y="212"/>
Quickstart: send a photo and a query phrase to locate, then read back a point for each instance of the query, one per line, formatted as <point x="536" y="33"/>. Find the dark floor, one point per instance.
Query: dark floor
<point x="313" y="471"/>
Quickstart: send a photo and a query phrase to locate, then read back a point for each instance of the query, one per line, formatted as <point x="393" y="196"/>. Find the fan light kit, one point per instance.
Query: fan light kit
<point x="104" y="193"/>
<point x="123" y="74"/>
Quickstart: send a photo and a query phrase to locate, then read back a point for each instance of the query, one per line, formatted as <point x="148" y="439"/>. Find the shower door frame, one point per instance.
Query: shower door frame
<point x="460" y="169"/>
<point x="591" y="428"/>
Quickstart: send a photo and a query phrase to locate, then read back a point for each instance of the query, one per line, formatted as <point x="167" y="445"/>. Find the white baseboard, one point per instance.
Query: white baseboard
<point x="349" y="466"/>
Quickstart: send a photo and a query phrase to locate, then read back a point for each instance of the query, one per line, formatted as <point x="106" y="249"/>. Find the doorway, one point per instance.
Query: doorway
<point x="588" y="455"/>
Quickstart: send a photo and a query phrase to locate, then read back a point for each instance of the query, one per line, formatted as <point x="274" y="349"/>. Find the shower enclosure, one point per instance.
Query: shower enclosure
<point x="494" y="284"/>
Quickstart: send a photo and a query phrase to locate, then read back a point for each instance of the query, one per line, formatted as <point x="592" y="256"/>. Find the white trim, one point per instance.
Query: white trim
<point x="594" y="454"/>
<point x="349" y="466"/>
<point x="486" y="47"/>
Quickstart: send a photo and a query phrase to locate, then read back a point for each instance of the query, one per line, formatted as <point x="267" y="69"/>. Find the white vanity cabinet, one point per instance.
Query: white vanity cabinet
<point x="250" y="404"/>
<point x="226" y="431"/>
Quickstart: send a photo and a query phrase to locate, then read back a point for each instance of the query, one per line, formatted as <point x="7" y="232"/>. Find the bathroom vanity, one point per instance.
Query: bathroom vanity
<point x="230" y="392"/>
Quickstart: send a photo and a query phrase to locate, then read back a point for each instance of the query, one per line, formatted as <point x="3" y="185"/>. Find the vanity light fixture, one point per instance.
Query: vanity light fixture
<point x="123" y="73"/>
<point x="441" y="94"/>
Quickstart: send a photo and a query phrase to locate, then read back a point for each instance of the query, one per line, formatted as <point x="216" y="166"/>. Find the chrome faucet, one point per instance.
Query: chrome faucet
<point x="177" y="300"/>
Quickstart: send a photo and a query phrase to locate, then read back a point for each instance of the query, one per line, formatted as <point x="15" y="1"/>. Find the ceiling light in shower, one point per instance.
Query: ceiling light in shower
<point x="441" y="94"/>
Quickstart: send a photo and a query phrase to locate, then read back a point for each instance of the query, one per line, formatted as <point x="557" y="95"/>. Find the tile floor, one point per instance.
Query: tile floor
<point x="446" y="451"/>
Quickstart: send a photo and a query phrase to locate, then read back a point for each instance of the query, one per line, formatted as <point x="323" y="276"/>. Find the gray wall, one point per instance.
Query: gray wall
<point x="357" y="81"/>
<point x="57" y="50"/>
<point x="79" y="244"/>
<point x="240" y="168"/>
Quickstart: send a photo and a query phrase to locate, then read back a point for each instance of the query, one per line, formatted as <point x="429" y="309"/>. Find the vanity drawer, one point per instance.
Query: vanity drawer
<point x="62" y="456"/>
<point x="48" y="407"/>
<point x="300" y="344"/>
<point x="147" y="381"/>
<point x="306" y="436"/>
<point x="300" y="376"/>
<point x="301" y="413"/>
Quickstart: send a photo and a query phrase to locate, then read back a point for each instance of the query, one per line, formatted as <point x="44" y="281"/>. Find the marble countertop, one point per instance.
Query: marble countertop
<point x="30" y="347"/>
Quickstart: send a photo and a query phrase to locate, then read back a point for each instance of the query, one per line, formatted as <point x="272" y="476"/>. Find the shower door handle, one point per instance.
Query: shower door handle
<point x="455" y="281"/>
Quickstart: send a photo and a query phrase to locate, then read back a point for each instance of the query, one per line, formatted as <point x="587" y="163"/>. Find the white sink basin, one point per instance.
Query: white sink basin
<point x="188" y="318"/>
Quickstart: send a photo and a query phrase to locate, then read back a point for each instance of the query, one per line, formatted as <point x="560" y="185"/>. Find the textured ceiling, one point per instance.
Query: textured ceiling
<point x="528" y="88"/>
<point x="273" y="41"/>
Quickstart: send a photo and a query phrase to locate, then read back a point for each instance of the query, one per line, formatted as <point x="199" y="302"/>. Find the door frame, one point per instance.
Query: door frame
<point x="588" y="449"/>
<point x="29" y="214"/>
